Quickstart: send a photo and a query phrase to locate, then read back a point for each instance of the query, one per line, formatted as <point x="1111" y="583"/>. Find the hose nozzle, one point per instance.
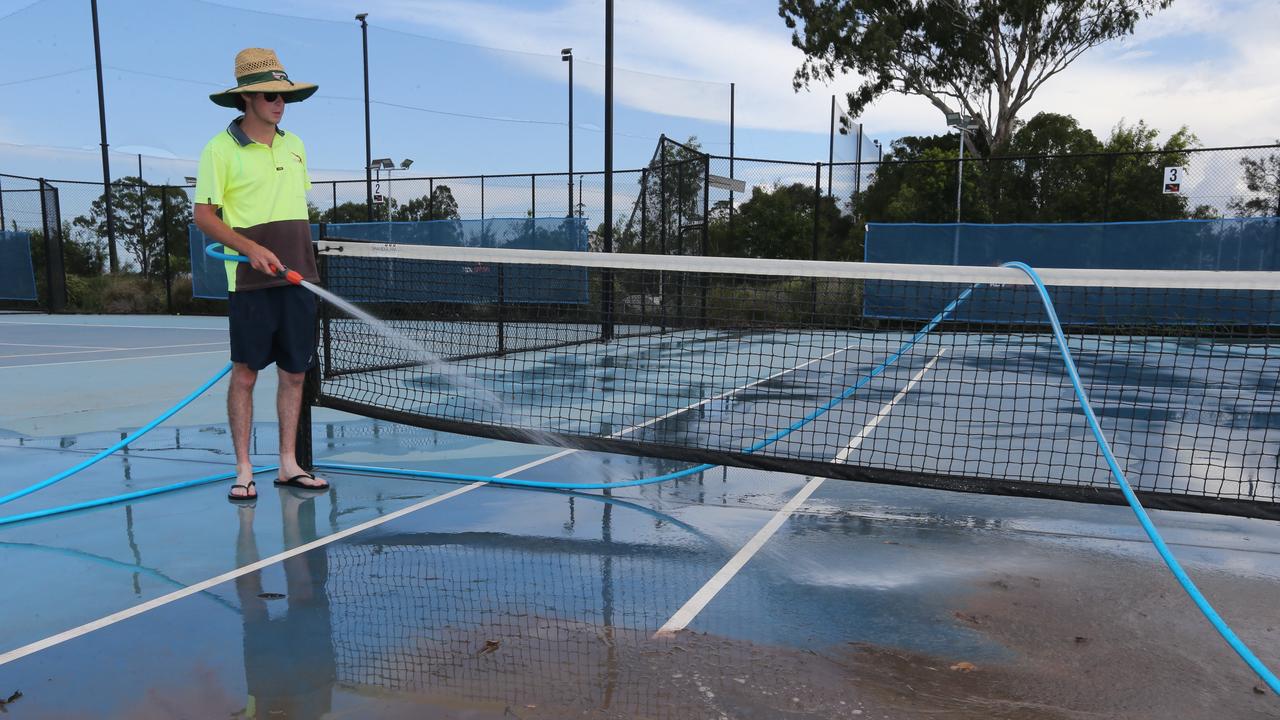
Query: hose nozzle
<point x="292" y="276"/>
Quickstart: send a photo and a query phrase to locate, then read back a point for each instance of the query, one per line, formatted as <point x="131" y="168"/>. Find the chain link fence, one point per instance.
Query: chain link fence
<point x="683" y="202"/>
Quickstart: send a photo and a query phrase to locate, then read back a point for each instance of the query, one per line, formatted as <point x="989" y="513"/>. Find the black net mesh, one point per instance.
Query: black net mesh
<point x="923" y="375"/>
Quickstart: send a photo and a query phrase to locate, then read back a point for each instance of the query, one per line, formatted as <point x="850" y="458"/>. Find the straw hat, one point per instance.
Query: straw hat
<point x="258" y="70"/>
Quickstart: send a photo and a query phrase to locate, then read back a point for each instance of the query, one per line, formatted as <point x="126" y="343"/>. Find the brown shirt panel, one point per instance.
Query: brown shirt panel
<point x="290" y="240"/>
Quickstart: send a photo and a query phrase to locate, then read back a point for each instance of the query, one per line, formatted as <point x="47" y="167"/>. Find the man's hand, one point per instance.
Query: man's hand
<point x="260" y="258"/>
<point x="264" y="261"/>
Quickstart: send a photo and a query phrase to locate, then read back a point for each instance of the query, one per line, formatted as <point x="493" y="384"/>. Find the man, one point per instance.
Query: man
<point x="251" y="197"/>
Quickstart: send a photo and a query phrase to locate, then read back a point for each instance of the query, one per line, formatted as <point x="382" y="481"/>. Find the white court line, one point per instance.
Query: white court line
<point x="135" y="327"/>
<point x="734" y="391"/>
<point x="685" y="615"/>
<point x="199" y="587"/>
<point x="223" y="343"/>
<point x="50" y="345"/>
<point x="86" y="362"/>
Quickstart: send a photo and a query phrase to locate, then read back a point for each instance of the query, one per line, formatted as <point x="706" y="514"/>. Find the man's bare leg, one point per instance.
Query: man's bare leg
<point x="240" y="418"/>
<point x="288" y="408"/>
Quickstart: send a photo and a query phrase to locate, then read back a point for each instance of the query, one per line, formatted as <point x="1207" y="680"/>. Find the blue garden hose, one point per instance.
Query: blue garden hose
<point x="1190" y="587"/>
<point x="1152" y="533"/>
<point x="215" y="251"/>
<point x="134" y="436"/>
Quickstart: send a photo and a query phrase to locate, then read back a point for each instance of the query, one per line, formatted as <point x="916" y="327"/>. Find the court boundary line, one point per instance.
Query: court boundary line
<point x="113" y="350"/>
<point x="106" y="360"/>
<point x="211" y="328"/>
<point x="154" y="603"/>
<point x="142" y="608"/>
<point x="700" y="599"/>
<point x="734" y="391"/>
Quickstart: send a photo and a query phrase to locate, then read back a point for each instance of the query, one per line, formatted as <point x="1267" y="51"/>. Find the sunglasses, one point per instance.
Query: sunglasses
<point x="270" y="97"/>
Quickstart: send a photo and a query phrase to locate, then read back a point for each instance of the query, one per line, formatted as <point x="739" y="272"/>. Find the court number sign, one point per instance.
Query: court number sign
<point x="1174" y="179"/>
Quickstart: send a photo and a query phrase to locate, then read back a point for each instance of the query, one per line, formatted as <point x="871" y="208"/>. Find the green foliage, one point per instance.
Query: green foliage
<point x="1262" y="178"/>
<point x="984" y="58"/>
<point x="347" y="212"/>
<point x="138" y="213"/>
<point x="779" y="223"/>
<point x="439" y="205"/>
<point x="670" y="209"/>
<point x="1089" y="180"/>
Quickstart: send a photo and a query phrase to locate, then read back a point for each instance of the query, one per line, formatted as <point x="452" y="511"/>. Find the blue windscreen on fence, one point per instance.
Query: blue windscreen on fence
<point x="1227" y="244"/>
<point x="17" y="274"/>
<point x="532" y="284"/>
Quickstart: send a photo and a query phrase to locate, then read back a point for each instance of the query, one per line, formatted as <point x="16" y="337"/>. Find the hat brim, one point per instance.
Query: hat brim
<point x="292" y="92"/>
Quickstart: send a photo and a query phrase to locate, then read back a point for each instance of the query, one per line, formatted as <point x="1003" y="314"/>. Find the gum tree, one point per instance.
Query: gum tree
<point x="985" y="59"/>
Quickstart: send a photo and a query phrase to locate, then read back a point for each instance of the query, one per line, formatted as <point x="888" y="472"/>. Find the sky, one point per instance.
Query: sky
<point x="477" y="86"/>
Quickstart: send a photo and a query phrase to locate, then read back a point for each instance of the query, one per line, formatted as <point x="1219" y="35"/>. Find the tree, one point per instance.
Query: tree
<point x="983" y="58"/>
<point x="1056" y="172"/>
<point x="670" y="203"/>
<point x="439" y="205"/>
<point x="137" y="215"/>
<point x="917" y="183"/>
<point x="1262" y="178"/>
<point x="1138" y="170"/>
<point x="779" y="223"/>
<point x="347" y="212"/>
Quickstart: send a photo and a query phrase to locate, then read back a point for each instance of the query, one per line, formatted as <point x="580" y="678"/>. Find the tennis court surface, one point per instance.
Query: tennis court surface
<point x="737" y="591"/>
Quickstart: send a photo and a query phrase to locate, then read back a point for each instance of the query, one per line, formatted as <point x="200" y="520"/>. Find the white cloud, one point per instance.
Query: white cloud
<point x="1207" y="65"/>
<point x="661" y="40"/>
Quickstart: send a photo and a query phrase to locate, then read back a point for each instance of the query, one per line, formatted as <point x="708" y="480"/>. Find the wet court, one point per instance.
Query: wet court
<point x="399" y="597"/>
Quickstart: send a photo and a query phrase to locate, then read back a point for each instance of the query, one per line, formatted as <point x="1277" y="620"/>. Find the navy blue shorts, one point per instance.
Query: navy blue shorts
<point x="273" y="325"/>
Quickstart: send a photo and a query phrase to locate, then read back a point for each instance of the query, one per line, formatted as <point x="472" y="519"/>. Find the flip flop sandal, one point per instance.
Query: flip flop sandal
<point x="247" y="497"/>
<point x="293" y="483"/>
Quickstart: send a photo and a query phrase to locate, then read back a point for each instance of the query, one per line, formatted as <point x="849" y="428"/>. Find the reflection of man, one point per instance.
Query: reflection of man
<point x="288" y="660"/>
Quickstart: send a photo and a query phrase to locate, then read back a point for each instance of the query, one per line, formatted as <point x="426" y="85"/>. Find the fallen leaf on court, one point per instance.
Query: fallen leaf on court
<point x="964" y="666"/>
<point x="489" y="646"/>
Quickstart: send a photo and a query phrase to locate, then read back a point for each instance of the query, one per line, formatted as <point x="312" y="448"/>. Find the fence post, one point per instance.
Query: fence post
<point x="533" y="196"/>
<point x="431" y="198"/>
<point x="1106" y="197"/>
<point x="706" y="204"/>
<point x="644" y="210"/>
<point x="164" y="247"/>
<point x="55" y="274"/>
<point x="817" y="200"/>
<point x="662" y="195"/>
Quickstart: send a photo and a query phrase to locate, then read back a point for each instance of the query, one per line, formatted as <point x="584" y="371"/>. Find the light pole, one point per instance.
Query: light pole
<point x="102" y="129"/>
<point x="566" y="55"/>
<point x="879" y="153"/>
<point x="387" y="164"/>
<point x="368" y="152"/>
<point x="962" y="124"/>
<point x="376" y="167"/>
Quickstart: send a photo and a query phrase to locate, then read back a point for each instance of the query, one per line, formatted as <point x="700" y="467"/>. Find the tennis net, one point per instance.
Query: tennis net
<point x="933" y="376"/>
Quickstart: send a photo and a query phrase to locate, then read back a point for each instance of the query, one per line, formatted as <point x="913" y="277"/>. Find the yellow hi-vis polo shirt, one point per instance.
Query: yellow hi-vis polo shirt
<point x="262" y="190"/>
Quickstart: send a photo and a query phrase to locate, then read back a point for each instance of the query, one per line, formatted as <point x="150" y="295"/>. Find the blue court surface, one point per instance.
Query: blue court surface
<point x="730" y="594"/>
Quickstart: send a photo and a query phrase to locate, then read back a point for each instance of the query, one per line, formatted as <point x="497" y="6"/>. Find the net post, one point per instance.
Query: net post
<point x="303" y="451"/>
<point x="326" y="332"/>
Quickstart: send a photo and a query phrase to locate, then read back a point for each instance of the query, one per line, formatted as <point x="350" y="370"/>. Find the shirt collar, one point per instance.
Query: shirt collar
<point x="235" y="131"/>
